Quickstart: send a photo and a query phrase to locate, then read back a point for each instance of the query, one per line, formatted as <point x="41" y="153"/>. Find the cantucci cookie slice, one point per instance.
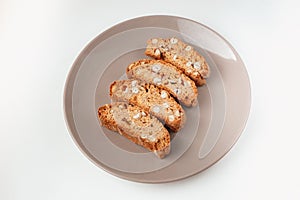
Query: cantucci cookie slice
<point x="167" y="77"/>
<point x="136" y="125"/>
<point x="180" y="54"/>
<point x="150" y="98"/>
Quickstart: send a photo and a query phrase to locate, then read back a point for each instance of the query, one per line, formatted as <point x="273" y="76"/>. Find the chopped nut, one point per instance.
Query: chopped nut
<point x="171" y="118"/>
<point x="177" y="91"/>
<point x="165" y="105"/>
<point x="133" y="83"/>
<point x="187" y="83"/>
<point x="197" y="65"/>
<point x="152" y="138"/>
<point x="135" y="90"/>
<point x="138" y="71"/>
<point x="156" y="109"/>
<point x="174" y="57"/>
<point x="126" y="90"/>
<point x="172" y="81"/>
<point x="188" y="48"/>
<point x="143" y="113"/>
<point x="157" y="52"/>
<point x="154" y="41"/>
<point x="143" y="135"/>
<point x="189" y="63"/>
<point x="136" y="116"/>
<point x="173" y="40"/>
<point x="177" y="113"/>
<point x="157" y="80"/>
<point x="163" y="94"/>
<point x="156" y="68"/>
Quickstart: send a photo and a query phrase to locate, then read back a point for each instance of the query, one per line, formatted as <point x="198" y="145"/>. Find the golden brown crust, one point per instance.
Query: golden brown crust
<point x="106" y="118"/>
<point x="181" y="55"/>
<point x="158" y="142"/>
<point x="190" y="100"/>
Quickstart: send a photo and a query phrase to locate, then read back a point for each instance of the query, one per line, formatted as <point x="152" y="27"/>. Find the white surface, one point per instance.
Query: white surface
<point x="39" y="42"/>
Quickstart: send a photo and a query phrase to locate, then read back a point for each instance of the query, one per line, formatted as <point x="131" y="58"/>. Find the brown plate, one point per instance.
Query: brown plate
<point x="212" y="127"/>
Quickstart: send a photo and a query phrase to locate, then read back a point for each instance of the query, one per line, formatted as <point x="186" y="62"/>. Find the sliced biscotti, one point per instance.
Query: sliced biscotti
<point x="167" y="77"/>
<point x="136" y="125"/>
<point x="180" y="54"/>
<point x="152" y="99"/>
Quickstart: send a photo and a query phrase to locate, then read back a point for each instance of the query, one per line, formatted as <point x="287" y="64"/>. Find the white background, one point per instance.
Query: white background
<point x="39" y="40"/>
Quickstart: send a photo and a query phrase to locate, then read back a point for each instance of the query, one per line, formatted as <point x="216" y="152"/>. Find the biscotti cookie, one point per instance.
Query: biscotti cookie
<point x="183" y="56"/>
<point x="156" y="101"/>
<point x="136" y="125"/>
<point x="167" y="77"/>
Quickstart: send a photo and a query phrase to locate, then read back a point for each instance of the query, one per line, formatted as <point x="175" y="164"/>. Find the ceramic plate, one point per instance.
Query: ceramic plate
<point x="212" y="127"/>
